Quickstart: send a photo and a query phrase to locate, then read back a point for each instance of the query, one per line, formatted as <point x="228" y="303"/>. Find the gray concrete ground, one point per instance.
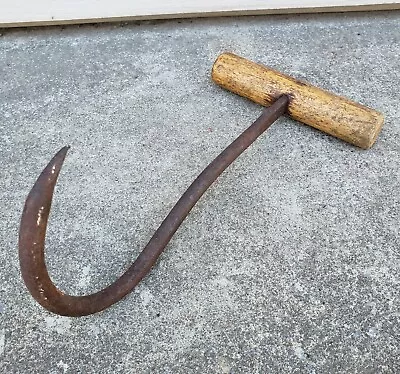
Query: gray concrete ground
<point x="289" y="264"/>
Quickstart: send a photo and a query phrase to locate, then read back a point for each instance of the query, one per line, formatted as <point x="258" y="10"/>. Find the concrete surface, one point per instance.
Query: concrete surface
<point x="289" y="264"/>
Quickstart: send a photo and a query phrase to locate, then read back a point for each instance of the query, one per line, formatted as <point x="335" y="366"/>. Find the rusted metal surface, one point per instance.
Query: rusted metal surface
<point x="37" y="208"/>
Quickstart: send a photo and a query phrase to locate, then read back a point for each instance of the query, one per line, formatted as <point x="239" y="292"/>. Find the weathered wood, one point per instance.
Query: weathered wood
<point x="335" y="115"/>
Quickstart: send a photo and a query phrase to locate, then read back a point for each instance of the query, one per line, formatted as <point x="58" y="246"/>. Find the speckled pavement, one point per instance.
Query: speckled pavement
<point x="290" y="263"/>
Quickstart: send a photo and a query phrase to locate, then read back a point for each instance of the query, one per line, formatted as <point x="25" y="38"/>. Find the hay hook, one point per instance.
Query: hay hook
<point x="37" y="209"/>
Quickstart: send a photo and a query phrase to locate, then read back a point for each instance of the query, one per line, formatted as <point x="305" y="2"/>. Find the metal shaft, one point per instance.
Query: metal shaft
<point x="37" y="209"/>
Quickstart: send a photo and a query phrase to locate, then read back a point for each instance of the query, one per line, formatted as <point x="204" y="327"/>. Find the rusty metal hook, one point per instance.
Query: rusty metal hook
<point x="37" y="208"/>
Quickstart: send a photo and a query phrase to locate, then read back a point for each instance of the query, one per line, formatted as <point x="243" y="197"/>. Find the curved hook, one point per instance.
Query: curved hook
<point x="37" y="208"/>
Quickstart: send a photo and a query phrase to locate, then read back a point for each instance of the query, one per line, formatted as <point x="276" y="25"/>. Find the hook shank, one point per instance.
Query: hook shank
<point x="37" y="208"/>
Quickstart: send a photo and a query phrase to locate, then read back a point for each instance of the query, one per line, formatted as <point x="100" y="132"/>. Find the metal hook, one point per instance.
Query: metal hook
<point x="37" y="208"/>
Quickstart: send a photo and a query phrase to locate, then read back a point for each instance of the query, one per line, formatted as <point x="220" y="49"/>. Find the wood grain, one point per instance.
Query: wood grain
<point x="335" y="115"/>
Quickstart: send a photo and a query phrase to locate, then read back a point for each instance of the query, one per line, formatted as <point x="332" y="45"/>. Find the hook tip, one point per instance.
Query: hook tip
<point x="61" y="154"/>
<point x="65" y="148"/>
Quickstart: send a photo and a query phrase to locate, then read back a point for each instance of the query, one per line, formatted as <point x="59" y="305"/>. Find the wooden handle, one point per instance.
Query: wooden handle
<point x="335" y="115"/>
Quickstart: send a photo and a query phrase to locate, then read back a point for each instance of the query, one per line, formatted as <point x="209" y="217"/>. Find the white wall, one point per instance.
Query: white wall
<point x="14" y="12"/>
